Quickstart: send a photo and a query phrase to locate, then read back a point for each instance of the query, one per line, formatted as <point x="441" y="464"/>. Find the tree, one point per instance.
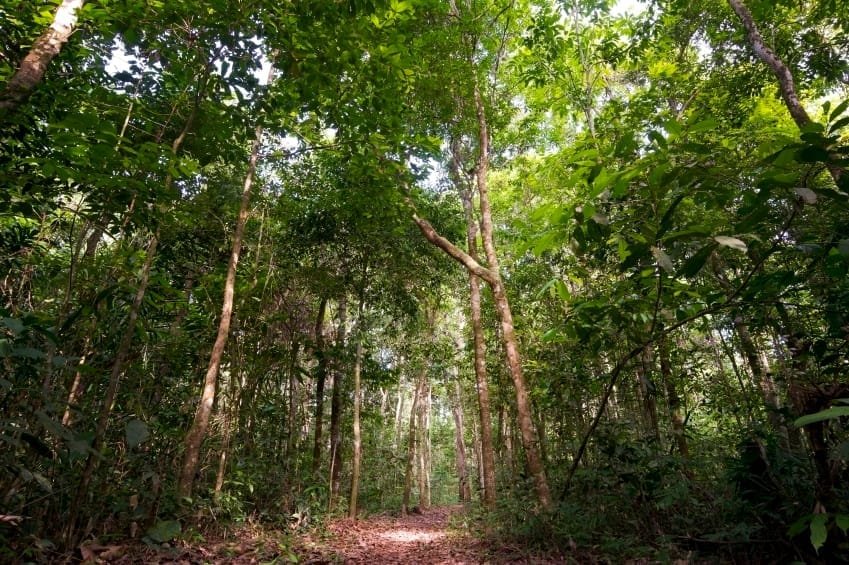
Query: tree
<point x="33" y="67"/>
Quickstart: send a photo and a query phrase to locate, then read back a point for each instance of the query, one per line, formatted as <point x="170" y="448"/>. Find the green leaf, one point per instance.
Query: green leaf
<point x="818" y="531"/>
<point x="704" y="125"/>
<point x="164" y="531"/>
<point x="842" y="521"/>
<point x="839" y="124"/>
<point x="843" y="247"/>
<point x="731" y="242"/>
<point x="15" y="325"/>
<point x="839" y="109"/>
<point x="827" y="414"/>
<point x="812" y="154"/>
<point x="137" y="433"/>
<point x="657" y="138"/>
<point x="798" y="526"/>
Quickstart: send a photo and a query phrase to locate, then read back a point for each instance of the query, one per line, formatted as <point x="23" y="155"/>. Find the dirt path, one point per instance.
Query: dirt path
<point x="415" y="539"/>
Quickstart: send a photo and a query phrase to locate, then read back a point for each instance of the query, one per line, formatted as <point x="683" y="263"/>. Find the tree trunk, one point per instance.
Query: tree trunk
<point x="46" y="47"/>
<point x="505" y="315"/>
<point x="786" y="84"/>
<point x="336" y="408"/>
<point x="487" y="461"/>
<point x="648" y="394"/>
<point x="320" y="378"/>
<point x="197" y="432"/>
<point x="411" y="447"/>
<point x="222" y="457"/>
<point x="358" y="453"/>
<point x="112" y="388"/>
<point x="464" y="493"/>
<point x="424" y="447"/>
<point x="673" y="400"/>
<point x="750" y="351"/>
<point x="292" y="420"/>
<point x="399" y="408"/>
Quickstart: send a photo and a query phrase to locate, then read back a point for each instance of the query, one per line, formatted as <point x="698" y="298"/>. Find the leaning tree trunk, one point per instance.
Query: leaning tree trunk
<point x="46" y="47"/>
<point x="197" y="432"/>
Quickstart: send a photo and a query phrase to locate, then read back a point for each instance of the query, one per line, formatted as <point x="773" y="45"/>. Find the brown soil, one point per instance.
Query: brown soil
<point x="419" y="539"/>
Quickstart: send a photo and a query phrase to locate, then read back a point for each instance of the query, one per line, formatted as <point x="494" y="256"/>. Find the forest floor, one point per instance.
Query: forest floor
<point x="421" y="538"/>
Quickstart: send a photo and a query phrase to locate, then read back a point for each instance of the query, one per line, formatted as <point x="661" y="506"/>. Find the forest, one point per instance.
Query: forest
<point x="555" y="281"/>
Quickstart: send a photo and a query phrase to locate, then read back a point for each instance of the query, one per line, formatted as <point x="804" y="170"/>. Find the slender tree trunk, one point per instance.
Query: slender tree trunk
<point x="411" y="447"/>
<point x="76" y="390"/>
<point x="673" y="400"/>
<point x="399" y="408"/>
<point x="197" y="431"/>
<point x="292" y="423"/>
<point x="424" y="448"/>
<point x="222" y="457"/>
<point x="34" y="66"/>
<point x="762" y="380"/>
<point x="464" y="492"/>
<point x="479" y="458"/>
<point x="358" y="453"/>
<point x="505" y="315"/>
<point x="336" y="408"/>
<point x="112" y="388"/>
<point x="320" y="378"/>
<point x="487" y="461"/>
<point x="648" y="395"/>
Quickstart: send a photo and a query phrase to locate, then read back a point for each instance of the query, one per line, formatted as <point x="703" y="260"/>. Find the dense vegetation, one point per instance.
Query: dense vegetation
<point x="579" y="266"/>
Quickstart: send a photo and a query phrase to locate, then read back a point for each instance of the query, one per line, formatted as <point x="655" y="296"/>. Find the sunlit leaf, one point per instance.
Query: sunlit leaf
<point x="663" y="259"/>
<point x="731" y="242"/>
<point x="827" y="414"/>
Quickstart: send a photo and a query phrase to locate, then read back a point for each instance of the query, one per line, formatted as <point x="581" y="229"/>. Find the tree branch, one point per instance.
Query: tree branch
<point x="786" y="84"/>
<point x="453" y="251"/>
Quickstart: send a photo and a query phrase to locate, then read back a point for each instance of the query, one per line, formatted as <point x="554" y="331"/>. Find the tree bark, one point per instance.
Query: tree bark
<point x="358" y="453"/>
<point x="464" y="493"/>
<point x="336" y="407"/>
<point x="786" y="84"/>
<point x="34" y="66"/>
<point x="424" y="447"/>
<point x="292" y="420"/>
<point x="482" y="384"/>
<point x="648" y="394"/>
<point x="399" y="407"/>
<point x="197" y="432"/>
<point x="320" y="378"/>
<point x="505" y="315"/>
<point x="411" y="447"/>
<point x="673" y="400"/>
